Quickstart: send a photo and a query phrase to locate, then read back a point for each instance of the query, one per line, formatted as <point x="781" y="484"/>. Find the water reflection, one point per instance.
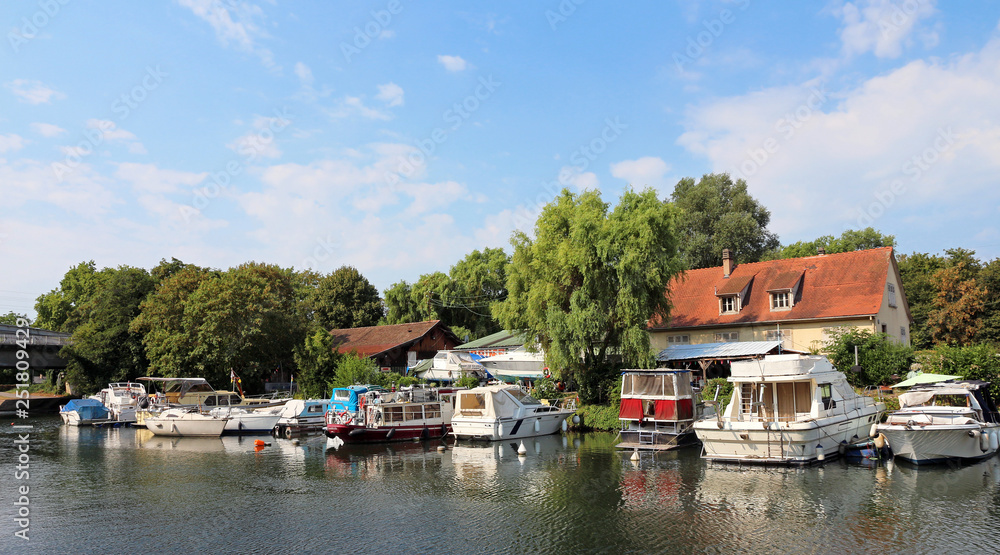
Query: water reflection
<point x="569" y="494"/>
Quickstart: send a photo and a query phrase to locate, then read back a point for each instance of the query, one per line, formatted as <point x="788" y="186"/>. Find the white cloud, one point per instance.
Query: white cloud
<point x="391" y="94"/>
<point x="570" y="176"/>
<point x="82" y="191"/>
<point x="645" y="171"/>
<point x="452" y="63"/>
<point x="354" y="105"/>
<point x="10" y="142"/>
<point x="882" y="27"/>
<point x="304" y="73"/>
<point x="923" y="137"/>
<point x="33" y="92"/>
<point x="236" y="27"/>
<point x="47" y="129"/>
<point x="148" y="178"/>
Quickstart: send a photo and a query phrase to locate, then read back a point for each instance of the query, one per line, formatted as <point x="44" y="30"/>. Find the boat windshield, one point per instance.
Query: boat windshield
<point x="523" y="397"/>
<point x="341" y="394"/>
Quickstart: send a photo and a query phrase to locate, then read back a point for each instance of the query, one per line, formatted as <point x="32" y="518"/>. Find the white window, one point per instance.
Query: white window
<point x="678" y="339"/>
<point x="892" y="295"/>
<point x="902" y="331"/>
<point x="729" y="305"/>
<point x="780" y="300"/>
<point x="727" y="337"/>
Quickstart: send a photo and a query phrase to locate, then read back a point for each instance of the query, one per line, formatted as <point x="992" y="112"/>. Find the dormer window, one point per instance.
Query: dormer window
<point x="729" y="304"/>
<point x="781" y="300"/>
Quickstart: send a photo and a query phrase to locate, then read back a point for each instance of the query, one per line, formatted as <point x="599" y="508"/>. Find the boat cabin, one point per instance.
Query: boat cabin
<point x="788" y="388"/>
<point x="657" y="409"/>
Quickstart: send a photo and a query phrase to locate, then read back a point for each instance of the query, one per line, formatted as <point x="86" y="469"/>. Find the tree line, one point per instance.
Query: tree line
<point x="586" y="280"/>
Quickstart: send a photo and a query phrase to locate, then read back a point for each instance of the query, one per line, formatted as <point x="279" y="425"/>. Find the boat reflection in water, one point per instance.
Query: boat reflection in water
<point x="377" y="460"/>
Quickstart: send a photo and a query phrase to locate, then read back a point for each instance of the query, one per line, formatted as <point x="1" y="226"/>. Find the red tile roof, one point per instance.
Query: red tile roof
<point x="372" y="340"/>
<point x="833" y="285"/>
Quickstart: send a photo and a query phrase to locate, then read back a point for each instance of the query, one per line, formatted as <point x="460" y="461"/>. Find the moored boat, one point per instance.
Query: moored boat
<point x="300" y="416"/>
<point x="84" y="412"/>
<point x="787" y="409"/>
<point x="181" y="422"/>
<point x="946" y="421"/>
<point x="243" y="421"/>
<point x="121" y="399"/>
<point x="357" y="415"/>
<point x="657" y="409"/>
<point x="496" y="412"/>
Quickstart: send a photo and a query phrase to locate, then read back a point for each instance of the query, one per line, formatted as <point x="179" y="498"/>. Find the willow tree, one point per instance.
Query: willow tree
<point x="590" y="280"/>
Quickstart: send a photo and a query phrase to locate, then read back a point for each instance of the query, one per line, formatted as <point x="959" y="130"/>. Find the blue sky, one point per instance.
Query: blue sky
<point x="398" y="136"/>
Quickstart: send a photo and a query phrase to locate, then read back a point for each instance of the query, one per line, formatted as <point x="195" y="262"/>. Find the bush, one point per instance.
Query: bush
<point x="600" y="417"/>
<point x="975" y="362"/>
<point x="725" y="392"/>
<point x="545" y="388"/>
<point x="879" y="356"/>
<point x="352" y="370"/>
<point x="468" y="381"/>
<point x="407" y="381"/>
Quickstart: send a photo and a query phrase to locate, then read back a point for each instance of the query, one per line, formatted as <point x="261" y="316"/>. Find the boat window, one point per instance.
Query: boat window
<point x="341" y="394"/>
<point x="393" y="414"/>
<point x="209" y="401"/>
<point x="472" y="401"/>
<point x="951" y="401"/>
<point x="649" y="408"/>
<point x="432" y="411"/>
<point x="523" y="397"/>
<point x="826" y="392"/>
<point x="413" y="412"/>
<point x="314" y="408"/>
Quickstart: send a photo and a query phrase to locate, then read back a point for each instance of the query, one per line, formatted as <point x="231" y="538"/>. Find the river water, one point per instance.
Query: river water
<point x="125" y="490"/>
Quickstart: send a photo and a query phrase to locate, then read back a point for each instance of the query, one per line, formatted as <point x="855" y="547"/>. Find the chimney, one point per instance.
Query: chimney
<point x="820" y="251"/>
<point x="727" y="263"/>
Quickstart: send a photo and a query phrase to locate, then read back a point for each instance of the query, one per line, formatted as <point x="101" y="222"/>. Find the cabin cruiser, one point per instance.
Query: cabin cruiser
<point x="496" y="412"/>
<point x="84" y="412"/>
<point x="657" y="409"/>
<point x="185" y="422"/>
<point x="358" y="415"/>
<point x="953" y="420"/>
<point x="122" y="399"/>
<point x="787" y="409"/>
<point x="516" y="364"/>
<point x="451" y="366"/>
<point x="300" y="416"/>
<point x="243" y="421"/>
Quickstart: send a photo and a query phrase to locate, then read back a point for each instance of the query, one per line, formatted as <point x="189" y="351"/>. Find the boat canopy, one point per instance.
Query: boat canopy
<point x="519" y="363"/>
<point x="452" y="365"/>
<point x="660" y="384"/>
<point x="493" y="401"/>
<point x="346" y="398"/>
<point x="88" y="409"/>
<point x="782" y="367"/>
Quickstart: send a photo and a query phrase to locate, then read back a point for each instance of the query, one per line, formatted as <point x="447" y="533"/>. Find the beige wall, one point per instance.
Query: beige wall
<point x="799" y="336"/>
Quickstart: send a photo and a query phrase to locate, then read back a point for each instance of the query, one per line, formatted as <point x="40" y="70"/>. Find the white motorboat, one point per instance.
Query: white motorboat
<point x="657" y="409"/>
<point x="300" y="416"/>
<point x="942" y="422"/>
<point x="185" y="423"/>
<point x="84" y="412"/>
<point x="450" y="366"/>
<point x="787" y="409"/>
<point x="496" y="412"/>
<point x="242" y="421"/>
<point x="516" y="364"/>
<point x="122" y="399"/>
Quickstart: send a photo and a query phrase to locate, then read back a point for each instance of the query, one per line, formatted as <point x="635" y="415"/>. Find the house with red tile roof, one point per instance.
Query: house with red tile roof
<point x="396" y="346"/>
<point x="797" y="300"/>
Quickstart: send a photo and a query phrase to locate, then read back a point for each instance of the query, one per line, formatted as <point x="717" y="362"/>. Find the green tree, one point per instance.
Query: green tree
<point x="103" y="348"/>
<point x="850" y="240"/>
<point x="316" y="362"/>
<point x="56" y="308"/>
<point x="589" y="282"/>
<point x="481" y="277"/>
<point x="12" y="318"/>
<point x="352" y="369"/>
<point x="989" y="280"/>
<point x="976" y="362"/>
<point x="717" y="214"/>
<point x="346" y="299"/>
<point x="954" y="317"/>
<point x="400" y="308"/>
<point x="878" y="355"/>
<point x="917" y="272"/>
<point x="167" y="333"/>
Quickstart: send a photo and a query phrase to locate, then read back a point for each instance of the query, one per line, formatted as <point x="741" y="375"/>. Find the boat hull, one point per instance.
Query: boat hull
<point x="939" y="444"/>
<point x="186" y="427"/>
<point x="72" y="418"/>
<point x="350" y="433"/>
<point x="780" y="443"/>
<point x="496" y="429"/>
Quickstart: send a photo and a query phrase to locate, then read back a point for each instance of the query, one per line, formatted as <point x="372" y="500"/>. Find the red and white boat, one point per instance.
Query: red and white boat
<point x="391" y="416"/>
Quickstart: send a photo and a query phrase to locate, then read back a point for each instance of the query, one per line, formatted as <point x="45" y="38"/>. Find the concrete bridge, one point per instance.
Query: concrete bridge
<point x="42" y="347"/>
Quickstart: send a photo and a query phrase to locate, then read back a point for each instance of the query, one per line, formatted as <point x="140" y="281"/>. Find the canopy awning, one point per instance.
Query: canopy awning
<point x="925" y="378"/>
